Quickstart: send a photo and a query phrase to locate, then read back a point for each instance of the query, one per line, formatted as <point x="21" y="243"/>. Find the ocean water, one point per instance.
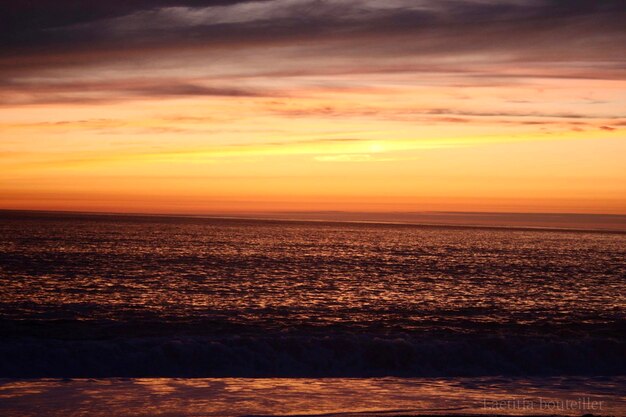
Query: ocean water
<point x="85" y="296"/>
<point x="100" y="296"/>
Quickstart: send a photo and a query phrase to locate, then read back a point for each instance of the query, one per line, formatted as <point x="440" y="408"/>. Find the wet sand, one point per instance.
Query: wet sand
<point x="346" y="397"/>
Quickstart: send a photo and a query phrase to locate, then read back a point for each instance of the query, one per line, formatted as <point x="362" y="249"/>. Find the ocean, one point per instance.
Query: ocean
<point x="137" y="302"/>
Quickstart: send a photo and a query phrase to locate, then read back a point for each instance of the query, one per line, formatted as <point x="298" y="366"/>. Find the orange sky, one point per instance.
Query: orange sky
<point x="360" y="116"/>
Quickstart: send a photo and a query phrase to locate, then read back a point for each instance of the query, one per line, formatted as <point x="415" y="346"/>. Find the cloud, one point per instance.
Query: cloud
<point x="70" y="51"/>
<point x="418" y="26"/>
<point x="78" y="92"/>
<point x="439" y="115"/>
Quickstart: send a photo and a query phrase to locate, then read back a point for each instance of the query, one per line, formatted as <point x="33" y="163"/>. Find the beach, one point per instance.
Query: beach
<point x="236" y="397"/>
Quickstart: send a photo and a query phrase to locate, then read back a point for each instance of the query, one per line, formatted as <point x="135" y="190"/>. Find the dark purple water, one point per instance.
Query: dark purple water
<point x="100" y="296"/>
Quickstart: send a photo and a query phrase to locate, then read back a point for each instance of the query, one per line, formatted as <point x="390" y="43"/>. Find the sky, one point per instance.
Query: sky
<point x="231" y="106"/>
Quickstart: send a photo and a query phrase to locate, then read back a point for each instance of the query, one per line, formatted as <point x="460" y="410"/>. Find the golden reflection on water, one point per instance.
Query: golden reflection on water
<point x="290" y="274"/>
<point x="284" y="396"/>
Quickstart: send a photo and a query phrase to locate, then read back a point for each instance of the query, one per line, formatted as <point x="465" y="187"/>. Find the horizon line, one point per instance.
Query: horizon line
<point x="524" y="220"/>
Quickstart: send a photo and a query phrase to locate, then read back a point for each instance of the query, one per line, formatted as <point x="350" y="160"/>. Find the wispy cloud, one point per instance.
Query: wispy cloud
<point x="47" y="92"/>
<point x="542" y="30"/>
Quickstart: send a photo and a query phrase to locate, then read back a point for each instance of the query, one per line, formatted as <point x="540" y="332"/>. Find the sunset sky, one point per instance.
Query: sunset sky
<point x="288" y="105"/>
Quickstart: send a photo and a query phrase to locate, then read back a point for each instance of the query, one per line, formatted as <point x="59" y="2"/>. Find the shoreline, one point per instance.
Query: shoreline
<point x="311" y="397"/>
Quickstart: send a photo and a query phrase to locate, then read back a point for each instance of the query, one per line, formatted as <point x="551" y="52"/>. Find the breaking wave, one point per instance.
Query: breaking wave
<point x="308" y="355"/>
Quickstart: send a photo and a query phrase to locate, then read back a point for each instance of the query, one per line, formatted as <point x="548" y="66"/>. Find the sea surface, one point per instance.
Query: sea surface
<point x="154" y="301"/>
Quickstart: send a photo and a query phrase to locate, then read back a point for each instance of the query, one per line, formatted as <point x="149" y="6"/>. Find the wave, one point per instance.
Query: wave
<point x="311" y="355"/>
